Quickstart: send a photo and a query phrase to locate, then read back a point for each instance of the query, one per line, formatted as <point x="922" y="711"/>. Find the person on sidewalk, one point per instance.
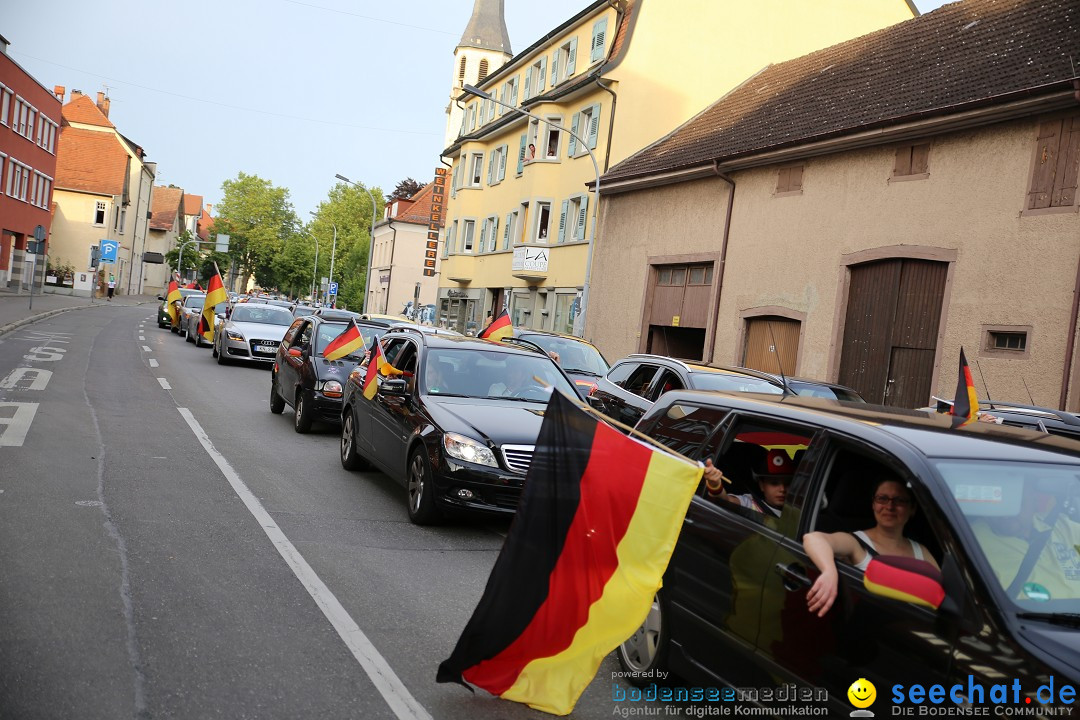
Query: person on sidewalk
<point x="112" y="285"/>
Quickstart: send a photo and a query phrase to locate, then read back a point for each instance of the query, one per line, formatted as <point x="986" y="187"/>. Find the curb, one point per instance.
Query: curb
<point x="10" y="327"/>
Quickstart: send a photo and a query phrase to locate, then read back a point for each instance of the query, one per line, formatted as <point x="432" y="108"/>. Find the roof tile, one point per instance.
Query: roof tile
<point x="90" y="160"/>
<point x="165" y="206"/>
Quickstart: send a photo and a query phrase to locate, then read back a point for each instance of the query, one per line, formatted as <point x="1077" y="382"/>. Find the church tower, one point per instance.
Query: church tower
<point x="483" y="49"/>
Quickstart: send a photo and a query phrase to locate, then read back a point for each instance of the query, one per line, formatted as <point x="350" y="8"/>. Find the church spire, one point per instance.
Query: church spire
<point x="487" y="27"/>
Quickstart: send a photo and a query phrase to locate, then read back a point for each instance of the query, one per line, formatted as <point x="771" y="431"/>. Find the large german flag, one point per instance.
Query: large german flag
<point x="344" y="344"/>
<point x="499" y="329"/>
<point x="172" y="297"/>
<point x="375" y="363"/>
<point x="966" y="403"/>
<point x="215" y="293"/>
<point x="594" y="532"/>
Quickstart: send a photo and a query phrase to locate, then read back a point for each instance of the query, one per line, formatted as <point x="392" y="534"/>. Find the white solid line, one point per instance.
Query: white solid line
<point x="389" y="685"/>
<point x="146" y="348"/>
<point x="164" y="384"/>
<point x="153" y="362"/>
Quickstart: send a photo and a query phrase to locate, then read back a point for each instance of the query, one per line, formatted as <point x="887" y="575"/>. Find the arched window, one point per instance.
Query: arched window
<point x="461" y="72"/>
<point x="483" y="69"/>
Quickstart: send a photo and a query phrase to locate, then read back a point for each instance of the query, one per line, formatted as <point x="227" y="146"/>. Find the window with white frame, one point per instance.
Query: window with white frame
<point x="481" y="245"/>
<point x="470" y="118"/>
<point x="468" y="230"/>
<point x="3" y="157"/>
<point x="22" y="117"/>
<point x="509" y="94"/>
<point x="497" y="165"/>
<point x="508" y="230"/>
<point x="455" y="176"/>
<point x="585" y="125"/>
<point x="543" y="221"/>
<point x="18" y="183"/>
<point x="493" y="233"/>
<point x="99" y="213"/>
<point x="564" y="61"/>
<point x="552" y="136"/>
<point x="535" y="79"/>
<point x="572" y="218"/>
<point x="476" y="169"/>
<point x="5" y="104"/>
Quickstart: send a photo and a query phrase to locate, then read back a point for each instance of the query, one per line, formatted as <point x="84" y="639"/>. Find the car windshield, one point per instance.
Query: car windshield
<point x="492" y="374"/>
<point x="194" y="302"/>
<point x="1026" y="521"/>
<point x="732" y="382"/>
<point x="574" y="356"/>
<point x="269" y="316"/>
<point x="824" y="391"/>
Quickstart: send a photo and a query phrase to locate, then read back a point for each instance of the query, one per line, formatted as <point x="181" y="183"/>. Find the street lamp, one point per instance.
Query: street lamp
<point x="371" y="242"/>
<point x="315" y="270"/>
<point x="579" y="322"/>
<point x="333" y="254"/>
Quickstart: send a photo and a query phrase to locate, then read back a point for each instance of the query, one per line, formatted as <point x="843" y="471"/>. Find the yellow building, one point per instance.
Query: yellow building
<point x="611" y="79"/>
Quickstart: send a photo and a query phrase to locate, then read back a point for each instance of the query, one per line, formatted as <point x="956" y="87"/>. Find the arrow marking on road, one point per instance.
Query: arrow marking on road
<point x="389" y="685"/>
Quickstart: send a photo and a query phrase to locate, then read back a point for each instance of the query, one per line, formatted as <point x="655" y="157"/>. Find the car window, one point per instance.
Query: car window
<point x="733" y="382"/>
<point x="192" y="301"/>
<point x="574" y="355"/>
<point x="304" y="338"/>
<point x="833" y="392"/>
<point x="618" y="374"/>
<point x="685" y="428"/>
<point x="327" y="333"/>
<point x="640" y="380"/>
<point x="268" y="316"/>
<point x="669" y="380"/>
<point x="290" y="334"/>
<point x="392" y="349"/>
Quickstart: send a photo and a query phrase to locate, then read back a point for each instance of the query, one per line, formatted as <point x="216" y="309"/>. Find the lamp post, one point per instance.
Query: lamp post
<point x="333" y="254"/>
<point x="579" y="322"/>
<point x="315" y="270"/>
<point x="371" y="242"/>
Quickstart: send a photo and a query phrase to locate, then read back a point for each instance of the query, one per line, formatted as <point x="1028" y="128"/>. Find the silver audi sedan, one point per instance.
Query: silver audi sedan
<point x="252" y="331"/>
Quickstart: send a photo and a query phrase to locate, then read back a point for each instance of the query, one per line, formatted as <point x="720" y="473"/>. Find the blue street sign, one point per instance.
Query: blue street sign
<point x="109" y="249"/>
<point x="332" y="289"/>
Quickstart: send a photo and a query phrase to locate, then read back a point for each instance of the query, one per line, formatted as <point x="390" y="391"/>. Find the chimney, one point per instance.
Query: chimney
<point x="59" y="91"/>
<point x="209" y="208"/>
<point x="103" y="103"/>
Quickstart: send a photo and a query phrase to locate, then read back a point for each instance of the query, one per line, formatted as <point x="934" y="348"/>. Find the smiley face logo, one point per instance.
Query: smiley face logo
<point x="862" y="693"/>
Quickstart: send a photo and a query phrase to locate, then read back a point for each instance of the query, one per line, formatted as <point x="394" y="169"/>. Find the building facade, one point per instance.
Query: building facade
<point x="168" y="219"/>
<point x="521" y="216"/>
<point x="399" y="253"/>
<point x="29" y="129"/>
<point x="833" y="219"/>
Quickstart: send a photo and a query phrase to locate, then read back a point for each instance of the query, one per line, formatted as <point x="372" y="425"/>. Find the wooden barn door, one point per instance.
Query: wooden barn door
<point x="772" y="344"/>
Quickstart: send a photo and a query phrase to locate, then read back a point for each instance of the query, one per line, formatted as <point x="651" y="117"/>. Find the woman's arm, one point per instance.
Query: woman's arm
<point x="823" y="549"/>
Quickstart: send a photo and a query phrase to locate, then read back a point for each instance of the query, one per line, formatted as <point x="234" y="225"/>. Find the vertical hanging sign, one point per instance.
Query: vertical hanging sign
<point x="435" y="221"/>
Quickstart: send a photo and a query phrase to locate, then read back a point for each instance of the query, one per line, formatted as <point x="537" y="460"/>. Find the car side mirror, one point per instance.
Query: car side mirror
<point x="160" y="297"/>
<point x="295" y="352"/>
<point x="394" y="386"/>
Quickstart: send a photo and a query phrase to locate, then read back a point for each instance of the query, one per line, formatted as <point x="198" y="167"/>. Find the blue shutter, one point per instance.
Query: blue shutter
<point x="562" y="220"/>
<point x="454" y="178"/>
<point x="514" y="95"/>
<point x="572" y="62"/>
<point x="582" y="218"/>
<point x="483" y="236"/>
<point x="527" y="90"/>
<point x="521" y="154"/>
<point x="491" y="166"/>
<point x="502" y="162"/>
<point x="494" y="234"/>
<point x="571" y="149"/>
<point x="543" y="74"/>
<point x="599" y="33"/>
<point x="594" y="126"/>
<point x="506" y="231"/>
<point x="554" y="68"/>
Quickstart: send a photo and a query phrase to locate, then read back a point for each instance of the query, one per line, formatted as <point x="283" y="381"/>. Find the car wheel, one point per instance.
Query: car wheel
<point x="420" y="492"/>
<point x="350" y="458"/>
<point x="213" y="349"/>
<point x="302" y="415"/>
<point x="222" y="356"/>
<point x="646" y="650"/>
<point x="277" y="403"/>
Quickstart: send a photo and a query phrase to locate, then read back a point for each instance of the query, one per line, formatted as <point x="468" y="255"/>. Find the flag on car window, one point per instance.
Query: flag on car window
<point x="499" y="329"/>
<point x="172" y="297"/>
<point x="966" y="403"/>
<point x="215" y="293"/>
<point x="371" y="385"/>
<point x="344" y="344"/>
<point x="577" y="574"/>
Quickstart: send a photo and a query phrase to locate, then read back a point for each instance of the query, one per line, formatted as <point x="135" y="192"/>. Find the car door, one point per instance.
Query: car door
<point x="292" y="368"/>
<point x="666" y="381"/>
<point x="863" y="635"/>
<point x="390" y="413"/>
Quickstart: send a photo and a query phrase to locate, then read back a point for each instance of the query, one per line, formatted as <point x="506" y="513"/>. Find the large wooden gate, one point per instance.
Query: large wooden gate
<point x="891" y="330"/>
<point x="772" y="344"/>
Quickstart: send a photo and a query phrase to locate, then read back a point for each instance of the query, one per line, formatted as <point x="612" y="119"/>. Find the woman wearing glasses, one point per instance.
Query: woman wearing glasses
<point x="893" y="506"/>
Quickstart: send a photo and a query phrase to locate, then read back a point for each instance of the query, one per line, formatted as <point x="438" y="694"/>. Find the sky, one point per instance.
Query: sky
<point x="292" y="91"/>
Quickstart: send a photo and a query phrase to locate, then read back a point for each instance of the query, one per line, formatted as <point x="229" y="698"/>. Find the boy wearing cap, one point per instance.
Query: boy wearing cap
<point x="773" y="481"/>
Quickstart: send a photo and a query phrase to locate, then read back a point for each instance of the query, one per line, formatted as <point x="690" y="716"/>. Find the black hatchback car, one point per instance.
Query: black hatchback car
<point x="998" y="508"/>
<point x="458" y="428"/>
<point x="305" y="380"/>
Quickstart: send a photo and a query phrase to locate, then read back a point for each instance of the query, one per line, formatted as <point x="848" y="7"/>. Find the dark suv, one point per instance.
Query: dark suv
<point x="458" y="427"/>
<point x="1032" y="417"/>
<point x="307" y="381"/>
<point x="733" y="610"/>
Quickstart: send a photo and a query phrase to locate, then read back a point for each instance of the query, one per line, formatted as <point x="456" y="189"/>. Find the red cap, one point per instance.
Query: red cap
<point x="778" y="462"/>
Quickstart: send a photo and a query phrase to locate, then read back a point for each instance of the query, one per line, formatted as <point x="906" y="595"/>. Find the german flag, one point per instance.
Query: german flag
<point x="966" y="403"/>
<point x="371" y="385"/>
<point x="905" y="579"/>
<point x="500" y="328"/>
<point x="594" y="532"/>
<point x="344" y="344"/>
<point x="215" y="293"/>
<point x="172" y="297"/>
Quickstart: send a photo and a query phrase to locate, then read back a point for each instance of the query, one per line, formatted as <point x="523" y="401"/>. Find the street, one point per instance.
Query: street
<point x="148" y="572"/>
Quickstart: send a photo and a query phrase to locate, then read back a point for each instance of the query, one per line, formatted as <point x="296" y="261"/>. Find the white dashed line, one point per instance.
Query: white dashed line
<point x="153" y="362"/>
<point x="164" y="384"/>
<point x="146" y="348"/>
<point x="142" y="337"/>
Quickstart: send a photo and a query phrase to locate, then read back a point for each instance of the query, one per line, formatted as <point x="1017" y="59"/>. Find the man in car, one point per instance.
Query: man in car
<point x="773" y="481"/>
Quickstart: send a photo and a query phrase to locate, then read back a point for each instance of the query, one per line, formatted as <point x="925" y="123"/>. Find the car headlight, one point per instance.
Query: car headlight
<point x="234" y="335"/>
<point x="332" y="388"/>
<point x="467" y="449"/>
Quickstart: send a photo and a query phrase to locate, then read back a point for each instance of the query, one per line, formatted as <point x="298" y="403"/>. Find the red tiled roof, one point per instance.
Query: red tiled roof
<point x="164" y="207"/>
<point x="83" y="110"/>
<point x="963" y="55"/>
<point x="419" y="210"/>
<point x="202" y="229"/>
<point x="90" y="160"/>
<point x="193" y="204"/>
<point x="623" y="31"/>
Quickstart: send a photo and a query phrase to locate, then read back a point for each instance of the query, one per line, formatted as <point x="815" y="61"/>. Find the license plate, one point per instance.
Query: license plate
<point x="265" y="349"/>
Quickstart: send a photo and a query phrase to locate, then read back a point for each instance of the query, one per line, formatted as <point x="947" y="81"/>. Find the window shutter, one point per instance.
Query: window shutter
<point x="521" y="154"/>
<point x="554" y="68"/>
<point x="902" y="166"/>
<point x="1046" y="152"/>
<point x="599" y="32"/>
<point x="782" y="180"/>
<point x="594" y="126"/>
<point x="582" y="218"/>
<point x="562" y="220"/>
<point x="571" y="149"/>
<point x="491" y="168"/>
<point x="920" y="158"/>
<point x="572" y="62"/>
<point x="506" y="231"/>
<point x="795" y="182"/>
<point x="514" y="93"/>
<point x="494" y="234"/>
<point x="1064" y="194"/>
<point x="502" y="161"/>
<point x="454" y="179"/>
<point x="527" y="90"/>
<point x="483" y="236"/>
<point x="543" y="74"/>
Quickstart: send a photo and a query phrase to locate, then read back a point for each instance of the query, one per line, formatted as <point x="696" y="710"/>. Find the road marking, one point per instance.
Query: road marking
<point x="146" y="348"/>
<point x="38" y="379"/>
<point x="18" y="424"/>
<point x="45" y="353"/>
<point x="142" y="337"/>
<point x="389" y="685"/>
<point x="164" y="384"/>
<point x="153" y="362"/>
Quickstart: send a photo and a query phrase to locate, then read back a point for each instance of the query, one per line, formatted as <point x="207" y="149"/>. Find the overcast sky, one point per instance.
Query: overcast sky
<point x="293" y="91"/>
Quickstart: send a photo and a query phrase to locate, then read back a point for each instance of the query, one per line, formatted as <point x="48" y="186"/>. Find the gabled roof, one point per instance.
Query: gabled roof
<point x="165" y="206"/>
<point x="202" y="228"/>
<point x="83" y="110"/>
<point x="419" y="209"/>
<point x="962" y="56"/>
<point x="193" y="204"/>
<point x="90" y="160"/>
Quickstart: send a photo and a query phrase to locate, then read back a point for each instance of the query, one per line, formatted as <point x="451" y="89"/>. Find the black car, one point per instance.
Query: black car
<point x="1032" y="417"/>
<point x="580" y="359"/>
<point x="733" y="610"/>
<point x="458" y="428"/>
<point x="302" y="378"/>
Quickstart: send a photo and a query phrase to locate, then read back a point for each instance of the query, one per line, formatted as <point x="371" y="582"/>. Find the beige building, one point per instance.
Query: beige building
<point x="398" y="255"/>
<point x="167" y="221"/>
<point x="617" y="75"/>
<point x="861" y="213"/>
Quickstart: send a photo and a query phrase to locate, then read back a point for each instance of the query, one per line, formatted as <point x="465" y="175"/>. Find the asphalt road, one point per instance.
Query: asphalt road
<point x="169" y="548"/>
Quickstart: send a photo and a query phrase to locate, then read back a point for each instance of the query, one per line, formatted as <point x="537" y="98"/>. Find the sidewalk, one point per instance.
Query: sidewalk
<point x="15" y="310"/>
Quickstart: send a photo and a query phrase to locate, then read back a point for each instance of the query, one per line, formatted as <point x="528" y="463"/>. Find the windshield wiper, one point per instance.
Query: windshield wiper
<point x="580" y="371"/>
<point x="443" y="394"/>
<point x="1069" y="619"/>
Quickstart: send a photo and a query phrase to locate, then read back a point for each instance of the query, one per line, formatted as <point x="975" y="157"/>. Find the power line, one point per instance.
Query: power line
<point x="368" y="17"/>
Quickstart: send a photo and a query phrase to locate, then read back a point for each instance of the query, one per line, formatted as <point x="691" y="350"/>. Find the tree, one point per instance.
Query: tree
<point x="191" y="254"/>
<point x="258" y="218"/>
<point x="349" y="208"/>
<point x="406" y="189"/>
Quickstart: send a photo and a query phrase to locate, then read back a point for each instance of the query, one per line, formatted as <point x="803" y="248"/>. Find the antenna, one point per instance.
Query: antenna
<point x="985" y="386"/>
<point x="1028" y="390"/>
<point x="778" y="363"/>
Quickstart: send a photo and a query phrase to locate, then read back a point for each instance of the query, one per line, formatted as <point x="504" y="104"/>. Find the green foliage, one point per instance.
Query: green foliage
<point x="191" y="254"/>
<point x="349" y="208"/>
<point x="258" y="218"/>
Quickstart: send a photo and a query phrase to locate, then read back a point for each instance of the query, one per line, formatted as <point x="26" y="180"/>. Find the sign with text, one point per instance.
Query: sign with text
<point x="435" y="219"/>
<point x="531" y="259"/>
